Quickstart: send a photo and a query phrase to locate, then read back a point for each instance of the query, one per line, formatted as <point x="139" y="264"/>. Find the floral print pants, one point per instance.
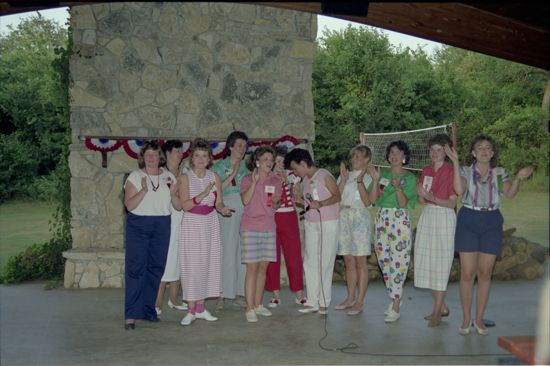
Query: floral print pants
<point x="393" y="247"/>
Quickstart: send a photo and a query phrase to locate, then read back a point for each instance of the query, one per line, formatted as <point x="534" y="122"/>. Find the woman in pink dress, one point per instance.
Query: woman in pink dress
<point x="200" y="242"/>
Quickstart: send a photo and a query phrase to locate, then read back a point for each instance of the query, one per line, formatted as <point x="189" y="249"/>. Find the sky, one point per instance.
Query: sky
<point x="397" y="39"/>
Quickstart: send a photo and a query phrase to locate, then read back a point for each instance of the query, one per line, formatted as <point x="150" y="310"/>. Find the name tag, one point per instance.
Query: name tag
<point x="315" y="194"/>
<point x="270" y="189"/>
<point x="381" y="185"/>
<point x="427" y="183"/>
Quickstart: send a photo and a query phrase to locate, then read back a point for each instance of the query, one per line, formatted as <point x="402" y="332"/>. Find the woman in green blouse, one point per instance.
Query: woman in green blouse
<point x="394" y="191"/>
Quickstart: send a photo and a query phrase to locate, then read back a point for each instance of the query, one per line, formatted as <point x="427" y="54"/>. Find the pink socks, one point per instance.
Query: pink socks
<point x="200" y="308"/>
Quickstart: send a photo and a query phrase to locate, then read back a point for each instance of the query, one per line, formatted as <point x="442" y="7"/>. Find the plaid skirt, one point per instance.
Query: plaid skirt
<point x="434" y="247"/>
<point x="258" y="246"/>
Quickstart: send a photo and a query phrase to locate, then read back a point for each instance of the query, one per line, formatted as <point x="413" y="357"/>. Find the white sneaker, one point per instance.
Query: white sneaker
<point x="260" y="310"/>
<point x="183" y="306"/>
<point x="388" y="309"/>
<point x="392" y="316"/>
<point x="309" y="309"/>
<point x="188" y="319"/>
<point x="251" y="316"/>
<point x="206" y="316"/>
<point x="158" y="310"/>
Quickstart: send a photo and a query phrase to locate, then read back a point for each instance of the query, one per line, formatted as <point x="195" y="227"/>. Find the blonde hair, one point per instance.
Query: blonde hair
<point x="363" y="149"/>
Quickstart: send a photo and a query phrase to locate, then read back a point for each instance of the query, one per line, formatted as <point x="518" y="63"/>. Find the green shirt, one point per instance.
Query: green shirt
<point x="388" y="198"/>
<point x="223" y="169"/>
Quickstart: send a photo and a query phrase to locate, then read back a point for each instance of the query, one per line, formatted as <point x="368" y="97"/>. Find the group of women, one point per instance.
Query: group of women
<point x="228" y="223"/>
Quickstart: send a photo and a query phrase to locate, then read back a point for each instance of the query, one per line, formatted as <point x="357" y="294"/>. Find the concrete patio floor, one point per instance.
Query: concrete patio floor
<point x="85" y="327"/>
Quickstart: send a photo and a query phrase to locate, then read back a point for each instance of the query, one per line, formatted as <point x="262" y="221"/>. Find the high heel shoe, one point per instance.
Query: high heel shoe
<point x="465" y="331"/>
<point x="481" y="331"/>
<point x="183" y="306"/>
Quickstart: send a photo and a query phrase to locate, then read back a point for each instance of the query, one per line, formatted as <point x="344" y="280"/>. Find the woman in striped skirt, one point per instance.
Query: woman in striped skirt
<point x="200" y="242"/>
<point x="434" y="243"/>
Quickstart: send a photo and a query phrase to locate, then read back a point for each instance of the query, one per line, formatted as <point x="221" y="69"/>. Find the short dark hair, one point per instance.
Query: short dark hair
<point x="233" y="137"/>
<point x="281" y="151"/>
<point x="401" y="145"/>
<point x="257" y="154"/>
<point x="440" y="139"/>
<point x="151" y="145"/>
<point x="200" y="144"/>
<point x="171" y="144"/>
<point x="470" y="158"/>
<point x="298" y="155"/>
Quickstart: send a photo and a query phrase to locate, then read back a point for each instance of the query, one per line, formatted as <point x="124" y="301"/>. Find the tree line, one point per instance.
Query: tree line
<point x="361" y="83"/>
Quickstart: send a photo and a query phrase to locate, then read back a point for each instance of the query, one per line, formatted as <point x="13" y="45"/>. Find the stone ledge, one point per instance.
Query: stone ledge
<point x="93" y="254"/>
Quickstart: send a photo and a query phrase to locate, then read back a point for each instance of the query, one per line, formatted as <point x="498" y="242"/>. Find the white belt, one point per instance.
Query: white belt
<point x="480" y="208"/>
<point x="285" y="209"/>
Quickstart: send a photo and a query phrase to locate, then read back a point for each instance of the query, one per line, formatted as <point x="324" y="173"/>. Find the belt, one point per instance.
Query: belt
<point x="484" y="209"/>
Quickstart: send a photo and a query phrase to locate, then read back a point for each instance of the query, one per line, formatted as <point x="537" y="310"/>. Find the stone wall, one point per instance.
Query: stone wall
<point x="150" y="70"/>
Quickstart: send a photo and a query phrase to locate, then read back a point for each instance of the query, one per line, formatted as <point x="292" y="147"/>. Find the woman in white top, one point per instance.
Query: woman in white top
<point x="355" y="238"/>
<point x="171" y="276"/>
<point x="148" y="193"/>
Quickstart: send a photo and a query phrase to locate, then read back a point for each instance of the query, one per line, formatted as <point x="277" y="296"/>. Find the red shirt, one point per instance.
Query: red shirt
<point x="441" y="181"/>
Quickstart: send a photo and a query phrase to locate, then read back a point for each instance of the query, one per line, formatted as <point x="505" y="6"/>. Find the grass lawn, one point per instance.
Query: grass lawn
<point x="26" y="223"/>
<point x="21" y="225"/>
<point x="527" y="212"/>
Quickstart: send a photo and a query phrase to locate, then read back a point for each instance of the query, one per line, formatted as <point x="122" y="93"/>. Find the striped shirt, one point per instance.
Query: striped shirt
<point x="483" y="191"/>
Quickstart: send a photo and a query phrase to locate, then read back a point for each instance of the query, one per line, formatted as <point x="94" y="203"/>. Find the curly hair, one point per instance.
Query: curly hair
<point x="154" y="146"/>
<point x="259" y="152"/>
<point x="200" y="144"/>
<point x="402" y="146"/>
<point x="477" y="139"/>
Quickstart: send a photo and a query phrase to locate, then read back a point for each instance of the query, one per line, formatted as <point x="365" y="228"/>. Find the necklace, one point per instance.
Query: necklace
<point x="152" y="183"/>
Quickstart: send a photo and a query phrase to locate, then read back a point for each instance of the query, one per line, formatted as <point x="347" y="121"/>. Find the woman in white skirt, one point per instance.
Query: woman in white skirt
<point x="434" y="243"/>
<point x="171" y="276"/>
<point x="355" y="238"/>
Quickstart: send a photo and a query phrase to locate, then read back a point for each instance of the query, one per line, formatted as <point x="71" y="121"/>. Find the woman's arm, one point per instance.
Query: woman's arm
<point x="511" y="189"/>
<point x="247" y="195"/>
<point x="344" y="176"/>
<point x="220" y="205"/>
<point x="174" y="194"/>
<point x="334" y="198"/>
<point x="402" y="199"/>
<point x="363" y="190"/>
<point x="375" y="175"/>
<point x="132" y="198"/>
<point x="187" y="203"/>
<point x="459" y="182"/>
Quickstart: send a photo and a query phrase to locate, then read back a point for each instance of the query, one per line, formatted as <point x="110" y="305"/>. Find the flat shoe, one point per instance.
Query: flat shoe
<point x="323" y="311"/>
<point x="301" y="301"/>
<point x="183" y="306"/>
<point x="481" y="331"/>
<point x="392" y="316"/>
<point x="307" y="310"/>
<point x="464" y="331"/>
<point x="343" y="306"/>
<point x="353" y="312"/>
<point x="129" y="326"/>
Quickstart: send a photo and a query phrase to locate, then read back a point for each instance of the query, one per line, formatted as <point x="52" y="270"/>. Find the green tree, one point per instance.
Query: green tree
<point x="33" y="108"/>
<point x="363" y="84"/>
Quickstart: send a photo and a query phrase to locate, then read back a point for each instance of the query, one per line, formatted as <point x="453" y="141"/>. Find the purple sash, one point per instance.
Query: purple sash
<point x="201" y="209"/>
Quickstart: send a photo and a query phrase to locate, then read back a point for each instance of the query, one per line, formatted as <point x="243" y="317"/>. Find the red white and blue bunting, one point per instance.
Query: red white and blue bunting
<point x="219" y="151"/>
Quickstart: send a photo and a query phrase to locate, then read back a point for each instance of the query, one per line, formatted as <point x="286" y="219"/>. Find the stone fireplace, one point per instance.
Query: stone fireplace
<point x="173" y="70"/>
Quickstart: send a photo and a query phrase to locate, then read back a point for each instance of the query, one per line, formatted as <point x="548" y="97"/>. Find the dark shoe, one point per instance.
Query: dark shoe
<point x="153" y="319"/>
<point x="129" y="326"/>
